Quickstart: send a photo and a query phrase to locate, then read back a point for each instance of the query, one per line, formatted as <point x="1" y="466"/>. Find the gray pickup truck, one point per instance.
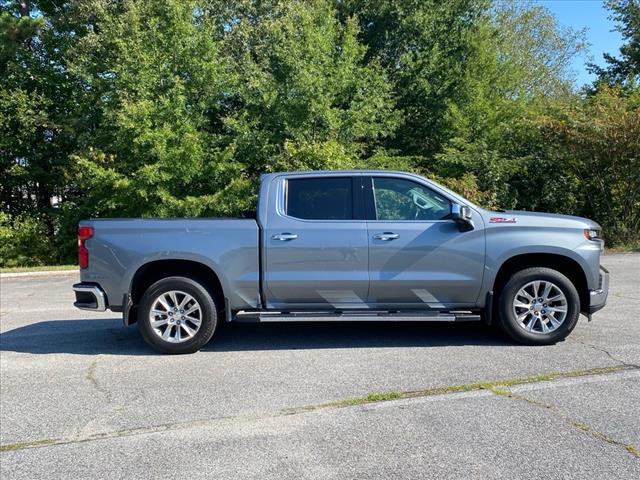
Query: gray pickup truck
<point x="345" y="246"/>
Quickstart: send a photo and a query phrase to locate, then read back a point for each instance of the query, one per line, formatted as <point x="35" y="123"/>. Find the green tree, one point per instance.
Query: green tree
<point x="307" y="97"/>
<point x="626" y="67"/>
<point x="521" y="64"/>
<point x="425" y="46"/>
<point x="154" y="84"/>
<point x="37" y="107"/>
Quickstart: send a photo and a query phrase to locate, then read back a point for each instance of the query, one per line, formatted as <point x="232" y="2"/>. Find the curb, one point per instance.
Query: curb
<point x="48" y="273"/>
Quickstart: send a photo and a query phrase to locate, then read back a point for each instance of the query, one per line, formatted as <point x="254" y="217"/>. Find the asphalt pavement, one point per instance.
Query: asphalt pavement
<point x="81" y="396"/>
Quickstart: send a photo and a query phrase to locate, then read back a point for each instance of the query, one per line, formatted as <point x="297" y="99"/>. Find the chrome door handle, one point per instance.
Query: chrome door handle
<point x="386" y="236"/>
<point x="284" y="237"/>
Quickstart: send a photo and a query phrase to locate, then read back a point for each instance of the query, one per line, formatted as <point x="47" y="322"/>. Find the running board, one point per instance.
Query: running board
<point x="357" y="316"/>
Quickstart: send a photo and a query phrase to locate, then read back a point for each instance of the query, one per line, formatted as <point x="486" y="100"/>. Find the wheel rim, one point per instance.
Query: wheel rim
<point x="175" y="316"/>
<point x="540" y="307"/>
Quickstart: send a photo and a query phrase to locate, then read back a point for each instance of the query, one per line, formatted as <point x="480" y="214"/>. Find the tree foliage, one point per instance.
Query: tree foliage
<point x="154" y="84"/>
<point x="175" y="107"/>
<point x="599" y="140"/>
<point x="624" y="68"/>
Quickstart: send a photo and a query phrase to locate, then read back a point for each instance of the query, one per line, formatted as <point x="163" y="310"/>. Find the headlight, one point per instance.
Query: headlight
<point x="592" y="234"/>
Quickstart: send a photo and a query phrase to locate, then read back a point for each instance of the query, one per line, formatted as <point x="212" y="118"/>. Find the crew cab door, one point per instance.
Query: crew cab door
<point x="418" y="257"/>
<point x="315" y="243"/>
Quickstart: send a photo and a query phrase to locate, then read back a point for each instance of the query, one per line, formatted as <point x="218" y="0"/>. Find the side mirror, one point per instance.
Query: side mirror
<point x="461" y="214"/>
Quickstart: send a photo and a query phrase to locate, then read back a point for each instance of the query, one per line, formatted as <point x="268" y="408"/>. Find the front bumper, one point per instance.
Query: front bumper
<point x="90" y="296"/>
<point x="598" y="297"/>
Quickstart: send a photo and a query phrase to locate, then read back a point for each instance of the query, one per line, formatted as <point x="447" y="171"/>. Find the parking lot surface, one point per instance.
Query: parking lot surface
<point x="82" y="396"/>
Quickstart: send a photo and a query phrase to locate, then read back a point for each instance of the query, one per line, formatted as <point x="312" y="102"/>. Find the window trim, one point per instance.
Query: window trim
<point x="357" y="198"/>
<point x="370" y="200"/>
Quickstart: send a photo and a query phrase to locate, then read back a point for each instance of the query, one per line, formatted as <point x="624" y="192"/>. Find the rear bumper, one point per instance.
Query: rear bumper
<point x="90" y="296"/>
<point x="598" y="297"/>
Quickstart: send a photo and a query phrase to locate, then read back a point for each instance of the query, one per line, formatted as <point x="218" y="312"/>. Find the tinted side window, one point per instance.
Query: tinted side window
<point x="398" y="199"/>
<point x="329" y="198"/>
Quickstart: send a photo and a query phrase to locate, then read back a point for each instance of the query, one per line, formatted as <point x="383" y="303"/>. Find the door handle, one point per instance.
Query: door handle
<point x="284" y="237"/>
<point x="386" y="236"/>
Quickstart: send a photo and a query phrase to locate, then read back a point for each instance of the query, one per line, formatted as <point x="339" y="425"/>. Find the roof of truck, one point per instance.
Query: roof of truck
<point x="337" y="172"/>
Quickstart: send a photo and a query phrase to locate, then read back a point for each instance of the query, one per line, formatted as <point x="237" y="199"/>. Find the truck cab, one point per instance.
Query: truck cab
<point x="366" y="241"/>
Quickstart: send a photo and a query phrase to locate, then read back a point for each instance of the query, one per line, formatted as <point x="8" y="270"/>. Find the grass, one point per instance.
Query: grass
<point x="370" y="398"/>
<point x="41" y="268"/>
<point x="22" y="445"/>
<point x="499" y="387"/>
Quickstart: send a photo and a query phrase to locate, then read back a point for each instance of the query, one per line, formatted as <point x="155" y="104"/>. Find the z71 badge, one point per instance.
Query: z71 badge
<point x="503" y="220"/>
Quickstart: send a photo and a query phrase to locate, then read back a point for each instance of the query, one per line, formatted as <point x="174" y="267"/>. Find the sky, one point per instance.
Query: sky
<point x="591" y="14"/>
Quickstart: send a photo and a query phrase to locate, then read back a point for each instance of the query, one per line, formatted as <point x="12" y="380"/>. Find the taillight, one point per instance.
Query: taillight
<point x="84" y="233"/>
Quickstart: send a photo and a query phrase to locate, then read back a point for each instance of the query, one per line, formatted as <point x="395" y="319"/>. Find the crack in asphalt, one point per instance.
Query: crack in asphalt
<point x="498" y="387"/>
<point x="607" y="352"/>
<point x="589" y="430"/>
<point x="90" y="376"/>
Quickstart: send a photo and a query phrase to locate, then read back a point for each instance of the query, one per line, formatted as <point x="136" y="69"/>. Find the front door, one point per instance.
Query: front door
<point x="315" y="244"/>
<point x="417" y="256"/>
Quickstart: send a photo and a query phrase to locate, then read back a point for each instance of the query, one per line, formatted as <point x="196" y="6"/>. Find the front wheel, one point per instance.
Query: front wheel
<point x="177" y="315"/>
<point x="538" y="306"/>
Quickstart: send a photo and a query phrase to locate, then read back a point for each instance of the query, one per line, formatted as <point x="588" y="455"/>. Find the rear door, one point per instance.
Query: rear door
<point x="418" y="257"/>
<point x="315" y="243"/>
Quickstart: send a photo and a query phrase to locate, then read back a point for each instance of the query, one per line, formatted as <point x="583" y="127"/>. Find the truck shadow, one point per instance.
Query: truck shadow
<point x="108" y="336"/>
<point x="301" y="336"/>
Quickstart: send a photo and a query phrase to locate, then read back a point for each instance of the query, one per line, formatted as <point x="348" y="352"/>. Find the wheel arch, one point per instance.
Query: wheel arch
<point x="149" y="273"/>
<point x="561" y="263"/>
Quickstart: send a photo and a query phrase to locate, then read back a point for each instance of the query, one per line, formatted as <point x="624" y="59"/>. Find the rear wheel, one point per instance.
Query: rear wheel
<point x="177" y="315"/>
<point x="538" y="306"/>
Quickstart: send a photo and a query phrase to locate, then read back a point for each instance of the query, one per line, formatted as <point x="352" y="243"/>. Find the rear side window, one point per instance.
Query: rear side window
<point x="329" y="198"/>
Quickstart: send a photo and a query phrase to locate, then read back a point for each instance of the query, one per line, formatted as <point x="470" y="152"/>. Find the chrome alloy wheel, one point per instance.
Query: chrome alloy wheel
<point x="175" y="316"/>
<point x="540" y="307"/>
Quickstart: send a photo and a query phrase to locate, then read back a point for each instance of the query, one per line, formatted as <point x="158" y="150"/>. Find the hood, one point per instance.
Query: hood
<point x="521" y="217"/>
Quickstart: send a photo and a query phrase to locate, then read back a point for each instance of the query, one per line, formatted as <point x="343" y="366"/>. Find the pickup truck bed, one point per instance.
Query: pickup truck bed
<point x="122" y="247"/>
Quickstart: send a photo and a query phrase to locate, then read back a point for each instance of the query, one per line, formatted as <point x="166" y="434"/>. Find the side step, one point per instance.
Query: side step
<point x="357" y="316"/>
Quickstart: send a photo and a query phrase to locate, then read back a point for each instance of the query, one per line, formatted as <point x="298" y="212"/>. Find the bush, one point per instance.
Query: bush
<point x="24" y="242"/>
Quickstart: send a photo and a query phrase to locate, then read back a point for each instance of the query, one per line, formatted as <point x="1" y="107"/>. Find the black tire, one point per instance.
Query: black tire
<point x="508" y="321"/>
<point x="209" y="315"/>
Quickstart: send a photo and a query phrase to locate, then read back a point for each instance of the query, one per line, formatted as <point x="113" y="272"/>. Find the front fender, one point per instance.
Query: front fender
<point x="503" y="245"/>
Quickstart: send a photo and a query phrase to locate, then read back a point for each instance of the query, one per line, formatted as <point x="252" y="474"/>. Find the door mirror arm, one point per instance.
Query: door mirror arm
<point x="461" y="214"/>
